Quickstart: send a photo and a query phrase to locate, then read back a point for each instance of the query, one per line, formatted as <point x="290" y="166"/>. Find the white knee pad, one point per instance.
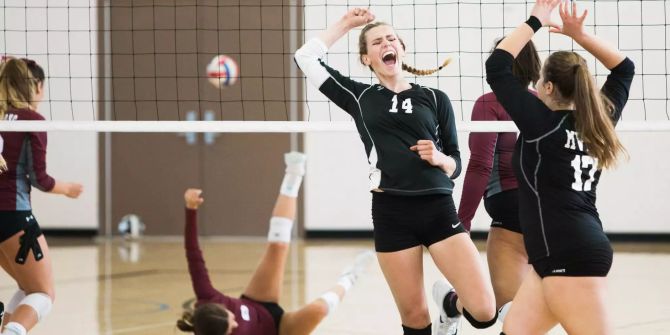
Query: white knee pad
<point x="280" y="229"/>
<point x="15" y="301"/>
<point x="332" y="300"/>
<point x="40" y="302"/>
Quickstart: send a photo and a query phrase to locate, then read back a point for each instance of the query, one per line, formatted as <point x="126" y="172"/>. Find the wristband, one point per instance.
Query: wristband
<point x="534" y="23"/>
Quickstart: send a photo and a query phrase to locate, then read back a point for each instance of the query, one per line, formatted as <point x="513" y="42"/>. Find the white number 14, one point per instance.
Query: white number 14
<point x="406" y="105"/>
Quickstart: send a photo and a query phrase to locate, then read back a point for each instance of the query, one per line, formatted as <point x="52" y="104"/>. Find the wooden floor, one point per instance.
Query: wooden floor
<point x="141" y="287"/>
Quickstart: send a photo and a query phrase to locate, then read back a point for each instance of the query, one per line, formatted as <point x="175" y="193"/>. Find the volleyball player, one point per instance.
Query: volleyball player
<point x="409" y="135"/>
<point x="490" y="176"/>
<point x="257" y="311"/>
<point x="24" y="253"/>
<point x="567" y="138"/>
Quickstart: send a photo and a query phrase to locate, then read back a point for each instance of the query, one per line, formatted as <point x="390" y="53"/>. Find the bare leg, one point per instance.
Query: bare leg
<point x="579" y="304"/>
<point x="267" y="281"/>
<point x="403" y="271"/>
<point x="305" y="320"/>
<point x="508" y="263"/>
<point x="530" y="314"/>
<point x="33" y="277"/>
<point x="459" y="261"/>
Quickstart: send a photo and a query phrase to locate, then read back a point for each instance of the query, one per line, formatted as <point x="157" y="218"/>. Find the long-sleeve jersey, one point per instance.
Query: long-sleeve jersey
<point x="489" y="171"/>
<point x="389" y="123"/>
<point x="25" y="154"/>
<point x="252" y="318"/>
<point x="557" y="177"/>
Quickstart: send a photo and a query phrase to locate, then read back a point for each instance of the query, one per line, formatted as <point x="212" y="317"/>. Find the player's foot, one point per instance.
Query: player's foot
<point x="444" y="325"/>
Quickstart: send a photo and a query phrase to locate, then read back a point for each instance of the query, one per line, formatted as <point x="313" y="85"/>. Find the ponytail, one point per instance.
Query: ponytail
<point x="593" y="119"/>
<point x="185" y="324"/>
<point x="418" y="72"/>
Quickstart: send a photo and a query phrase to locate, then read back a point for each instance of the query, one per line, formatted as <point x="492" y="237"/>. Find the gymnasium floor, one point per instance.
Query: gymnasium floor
<point x="139" y="288"/>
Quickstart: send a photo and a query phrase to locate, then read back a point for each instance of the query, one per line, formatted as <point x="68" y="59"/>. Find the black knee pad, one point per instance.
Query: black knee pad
<point x="479" y="324"/>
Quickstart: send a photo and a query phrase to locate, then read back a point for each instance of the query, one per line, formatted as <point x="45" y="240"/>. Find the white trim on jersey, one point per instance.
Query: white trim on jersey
<point x="549" y="132"/>
<point x="307" y="58"/>
<point x="533" y="186"/>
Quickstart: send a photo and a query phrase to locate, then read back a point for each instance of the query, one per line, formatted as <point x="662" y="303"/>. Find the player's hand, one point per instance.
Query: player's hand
<point x="573" y="25"/>
<point x="192" y="198"/>
<point x="542" y="11"/>
<point x="357" y="17"/>
<point x="429" y="153"/>
<point x="73" y="190"/>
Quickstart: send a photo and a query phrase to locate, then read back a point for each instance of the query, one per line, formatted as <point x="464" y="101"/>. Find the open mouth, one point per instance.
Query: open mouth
<point x="389" y="58"/>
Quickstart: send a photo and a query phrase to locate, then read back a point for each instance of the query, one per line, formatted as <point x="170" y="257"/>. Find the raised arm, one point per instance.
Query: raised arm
<point x="353" y="18"/>
<point x="529" y="113"/>
<point x="202" y="285"/>
<point x="340" y="89"/>
<point x="539" y="16"/>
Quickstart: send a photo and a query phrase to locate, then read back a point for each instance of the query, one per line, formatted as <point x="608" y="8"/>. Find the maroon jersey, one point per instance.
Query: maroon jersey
<point x="490" y="169"/>
<point x="25" y="154"/>
<point x="252" y="317"/>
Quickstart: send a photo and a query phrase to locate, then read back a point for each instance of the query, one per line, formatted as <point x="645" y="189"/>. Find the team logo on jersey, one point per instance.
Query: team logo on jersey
<point x="11" y="117"/>
<point x="244" y="312"/>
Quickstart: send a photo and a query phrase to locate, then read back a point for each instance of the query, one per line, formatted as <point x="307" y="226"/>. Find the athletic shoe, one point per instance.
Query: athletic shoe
<point x="351" y="273"/>
<point x="444" y="325"/>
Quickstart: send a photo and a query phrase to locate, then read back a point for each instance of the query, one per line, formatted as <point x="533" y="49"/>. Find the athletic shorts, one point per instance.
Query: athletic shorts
<point x="595" y="261"/>
<point x="403" y="222"/>
<point x="503" y="208"/>
<point x="272" y="307"/>
<point x="12" y="222"/>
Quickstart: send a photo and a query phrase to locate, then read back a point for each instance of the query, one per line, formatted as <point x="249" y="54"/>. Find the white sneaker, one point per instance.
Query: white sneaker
<point x="444" y="325"/>
<point x="352" y="272"/>
<point x="295" y="163"/>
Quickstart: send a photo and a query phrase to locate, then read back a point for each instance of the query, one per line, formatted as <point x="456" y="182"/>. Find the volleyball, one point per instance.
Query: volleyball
<point x="222" y="71"/>
<point x="131" y="226"/>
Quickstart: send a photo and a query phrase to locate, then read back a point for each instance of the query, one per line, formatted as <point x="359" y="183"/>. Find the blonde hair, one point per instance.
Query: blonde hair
<point x="17" y="86"/>
<point x="363" y="50"/>
<point x="593" y="111"/>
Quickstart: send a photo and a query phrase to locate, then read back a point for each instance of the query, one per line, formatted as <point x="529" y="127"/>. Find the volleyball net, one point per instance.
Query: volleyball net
<point x="123" y="65"/>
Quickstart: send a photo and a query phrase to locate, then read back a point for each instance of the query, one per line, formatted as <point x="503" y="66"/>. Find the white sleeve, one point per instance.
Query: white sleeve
<point x="2" y="144"/>
<point x="307" y="58"/>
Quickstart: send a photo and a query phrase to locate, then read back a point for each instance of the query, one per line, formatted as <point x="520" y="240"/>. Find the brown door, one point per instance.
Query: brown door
<point x="242" y="174"/>
<point x="159" y="60"/>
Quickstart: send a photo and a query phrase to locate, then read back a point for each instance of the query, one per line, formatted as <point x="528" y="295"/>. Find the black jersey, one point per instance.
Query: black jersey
<point x="389" y="123"/>
<point x="557" y="177"/>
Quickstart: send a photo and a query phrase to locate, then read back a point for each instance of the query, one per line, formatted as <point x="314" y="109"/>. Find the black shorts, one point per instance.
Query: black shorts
<point x="595" y="261"/>
<point x="272" y="307"/>
<point x="12" y="222"/>
<point x="403" y="222"/>
<point x="503" y="208"/>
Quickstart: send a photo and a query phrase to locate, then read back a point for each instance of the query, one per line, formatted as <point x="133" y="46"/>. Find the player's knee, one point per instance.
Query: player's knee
<point x="40" y="302"/>
<point x="481" y="320"/>
<point x="415" y="316"/>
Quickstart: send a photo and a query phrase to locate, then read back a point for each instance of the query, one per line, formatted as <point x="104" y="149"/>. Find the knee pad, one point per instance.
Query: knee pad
<point x="280" y="229"/>
<point x="479" y="324"/>
<point x="332" y="300"/>
<point x="15" y="301"/>
<point x="40" y="302"/>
